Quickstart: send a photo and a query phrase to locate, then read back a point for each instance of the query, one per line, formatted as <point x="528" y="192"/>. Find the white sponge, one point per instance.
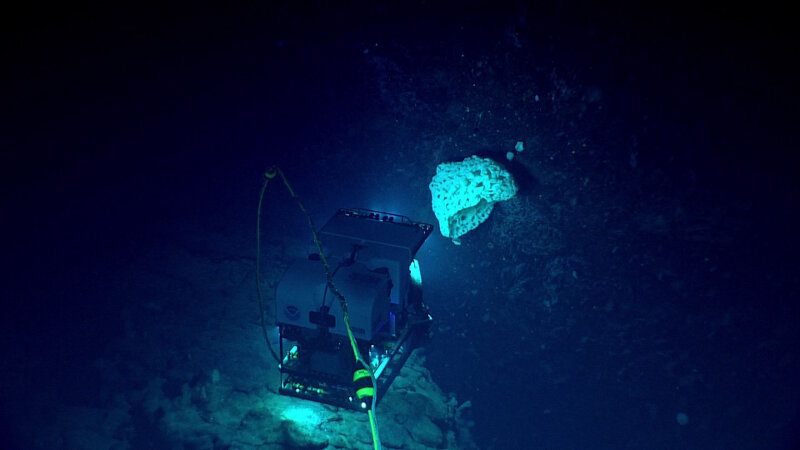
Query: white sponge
<point x="464" y="193"/>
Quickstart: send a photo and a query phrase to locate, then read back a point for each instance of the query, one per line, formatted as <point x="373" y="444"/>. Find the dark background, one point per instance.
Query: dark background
<point x="118" y="120"/>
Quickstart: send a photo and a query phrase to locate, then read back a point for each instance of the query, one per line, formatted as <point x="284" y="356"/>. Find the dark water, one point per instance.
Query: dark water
<point x="639" y="292"/>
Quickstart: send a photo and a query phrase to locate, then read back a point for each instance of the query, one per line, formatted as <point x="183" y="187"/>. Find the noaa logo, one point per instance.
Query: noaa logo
<point x="291" y="312"/>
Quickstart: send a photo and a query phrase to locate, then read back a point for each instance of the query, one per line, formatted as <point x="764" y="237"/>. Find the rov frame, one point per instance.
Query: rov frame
<point x="372" y="255"/>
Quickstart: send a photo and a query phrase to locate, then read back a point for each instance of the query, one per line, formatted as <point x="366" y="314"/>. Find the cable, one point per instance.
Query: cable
<point x="270" y="174"/>
<point x="267" y="178"/>
<point x="373" y="420"/>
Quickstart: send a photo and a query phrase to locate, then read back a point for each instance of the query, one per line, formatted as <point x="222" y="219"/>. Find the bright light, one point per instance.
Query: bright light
<point x="302" y="416"/>
<point x="416" y="275"/>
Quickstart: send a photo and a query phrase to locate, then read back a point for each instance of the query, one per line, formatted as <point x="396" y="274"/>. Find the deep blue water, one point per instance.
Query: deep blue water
<point x="644" y="275"/>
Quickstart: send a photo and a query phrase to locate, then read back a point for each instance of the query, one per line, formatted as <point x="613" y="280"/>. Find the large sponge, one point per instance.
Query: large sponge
<point x="464" y="193"/>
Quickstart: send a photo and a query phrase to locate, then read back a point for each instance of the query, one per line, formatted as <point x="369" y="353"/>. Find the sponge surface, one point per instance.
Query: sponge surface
<point x="463" y="193"/>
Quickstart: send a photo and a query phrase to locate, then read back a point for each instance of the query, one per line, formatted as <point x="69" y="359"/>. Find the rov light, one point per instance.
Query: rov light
<point x="304" y="417"/>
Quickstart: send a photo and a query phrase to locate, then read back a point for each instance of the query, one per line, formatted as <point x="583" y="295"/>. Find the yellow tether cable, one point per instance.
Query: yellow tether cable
<point x="258" y="269"/>
<point x="270" y="174"/>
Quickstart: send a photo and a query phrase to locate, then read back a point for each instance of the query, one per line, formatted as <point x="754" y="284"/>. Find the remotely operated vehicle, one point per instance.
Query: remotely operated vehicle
<point x="350" y="313"/>
<point x="371" y="258"/>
